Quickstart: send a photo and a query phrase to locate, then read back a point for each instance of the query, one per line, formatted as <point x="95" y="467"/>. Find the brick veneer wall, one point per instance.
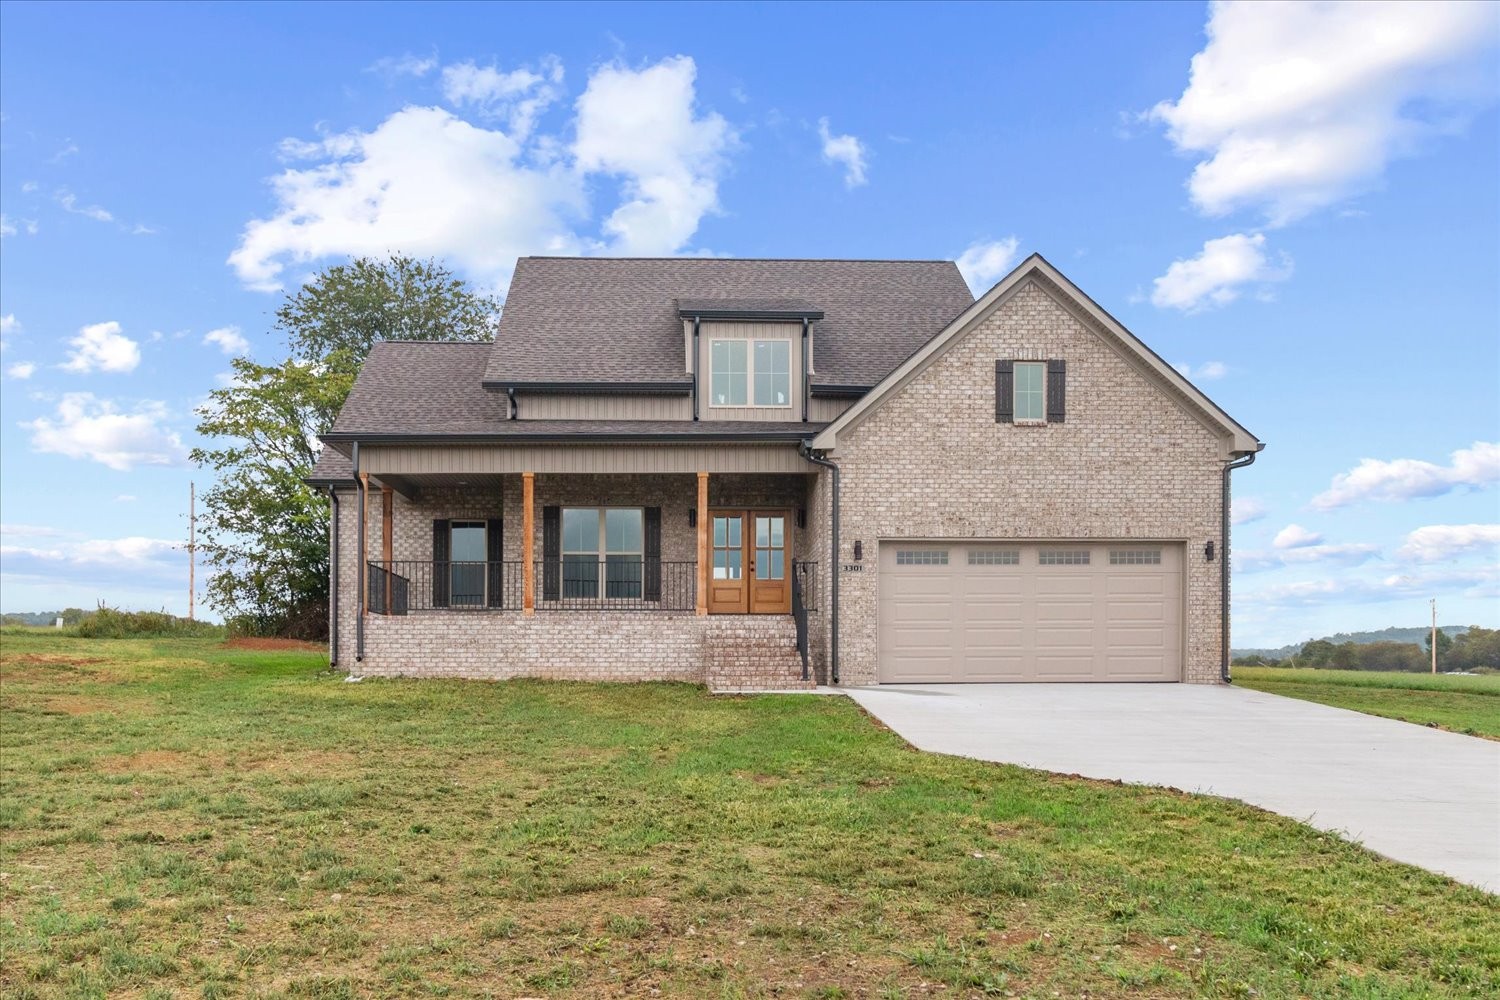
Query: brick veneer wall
<point x="932" y="462"/>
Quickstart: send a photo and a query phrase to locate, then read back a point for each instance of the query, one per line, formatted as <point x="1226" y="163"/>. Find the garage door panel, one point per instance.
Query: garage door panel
<point x="1088" y="611"/>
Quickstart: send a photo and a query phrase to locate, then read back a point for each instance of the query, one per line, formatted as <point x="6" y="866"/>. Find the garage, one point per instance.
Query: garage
<point x="995" y="612"/>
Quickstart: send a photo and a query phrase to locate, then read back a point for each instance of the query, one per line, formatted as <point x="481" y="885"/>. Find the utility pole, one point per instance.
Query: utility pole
<point x="1433" y="640"/>
<point x="192" y="545"/>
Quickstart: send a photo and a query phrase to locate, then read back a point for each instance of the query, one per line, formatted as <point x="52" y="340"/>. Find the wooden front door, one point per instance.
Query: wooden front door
<point x="750" y="565"/>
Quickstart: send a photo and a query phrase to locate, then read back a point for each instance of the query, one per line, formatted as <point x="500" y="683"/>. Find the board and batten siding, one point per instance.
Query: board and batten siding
<point x="825" y="409"/>
<point x="724" y="330"/>
<point x="427" y="460"/>
<point x="588" y="406"/>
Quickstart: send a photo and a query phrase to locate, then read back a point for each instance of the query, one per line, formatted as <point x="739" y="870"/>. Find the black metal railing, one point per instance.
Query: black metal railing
<point x="566" y="584"/>
<point x="403" y="586"/>
<point x="804" y="599"/>
<point x="585" y="583"/>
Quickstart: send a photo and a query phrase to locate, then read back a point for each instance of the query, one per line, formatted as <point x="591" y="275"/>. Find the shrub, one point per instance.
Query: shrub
<point x="112" y="623"/>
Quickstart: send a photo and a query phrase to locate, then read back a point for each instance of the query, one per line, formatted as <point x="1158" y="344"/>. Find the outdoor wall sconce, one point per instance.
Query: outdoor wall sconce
<point x="801" y="517"/>
<point x="1208" y="550"/>
<point x="692" y="517"/>
<point x="859" y="550"/>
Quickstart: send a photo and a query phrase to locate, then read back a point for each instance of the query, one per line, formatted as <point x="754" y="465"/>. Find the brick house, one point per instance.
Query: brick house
<point x="766" y="473"/>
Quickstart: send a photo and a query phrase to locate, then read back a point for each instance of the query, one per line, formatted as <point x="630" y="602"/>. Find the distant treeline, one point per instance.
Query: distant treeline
<point x="1473" y="648"/>
<point x="105" y="622"/>
<point x="1416" y="635"/>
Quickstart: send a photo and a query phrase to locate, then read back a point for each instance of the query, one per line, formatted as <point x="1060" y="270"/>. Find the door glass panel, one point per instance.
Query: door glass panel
<point x="728" y="559"/>
<point x="770" y="555"/>
<point x="728" y="564"/>
<point x="466" y="572"/>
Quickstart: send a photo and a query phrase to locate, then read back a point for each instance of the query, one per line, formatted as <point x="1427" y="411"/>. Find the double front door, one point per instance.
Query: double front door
<point x="750" y="563"/>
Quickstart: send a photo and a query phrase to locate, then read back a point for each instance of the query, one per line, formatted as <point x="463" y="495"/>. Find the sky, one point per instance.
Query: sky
<point x="1299" y="205"/>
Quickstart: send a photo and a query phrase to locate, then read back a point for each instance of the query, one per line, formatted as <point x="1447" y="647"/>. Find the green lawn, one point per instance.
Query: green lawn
<point x="183" y="819"/>
<point x="1462" y="704"/>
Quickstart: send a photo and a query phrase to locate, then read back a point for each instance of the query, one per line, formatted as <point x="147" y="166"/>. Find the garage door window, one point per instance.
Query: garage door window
<point x="1135" y="557"/>
<point x="1064" y="557"/>
<point x="994" y="557"/>
<point x="921" y="557"/>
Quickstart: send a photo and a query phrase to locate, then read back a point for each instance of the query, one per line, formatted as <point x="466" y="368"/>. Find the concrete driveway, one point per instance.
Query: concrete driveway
<point x="1418" y="795"/>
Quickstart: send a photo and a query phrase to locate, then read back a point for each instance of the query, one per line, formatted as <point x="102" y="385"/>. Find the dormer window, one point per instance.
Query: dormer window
<point x="750" y="373"/>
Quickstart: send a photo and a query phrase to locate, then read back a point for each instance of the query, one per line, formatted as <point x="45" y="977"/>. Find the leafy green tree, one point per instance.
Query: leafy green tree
<point x="1345" y="657"/>
<point x="264" y="532"/>
<point x="1478" y="647"/>
<point x="1317" y="653"/>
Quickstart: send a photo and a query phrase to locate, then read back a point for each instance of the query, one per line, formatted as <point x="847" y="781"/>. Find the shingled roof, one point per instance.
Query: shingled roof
<point x="616" y="320"/>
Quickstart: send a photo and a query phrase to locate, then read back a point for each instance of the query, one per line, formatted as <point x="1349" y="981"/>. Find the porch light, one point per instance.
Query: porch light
<point x="859" y="550"/>
<point x="692" y="517"/>
<point x="1208" y="550"/>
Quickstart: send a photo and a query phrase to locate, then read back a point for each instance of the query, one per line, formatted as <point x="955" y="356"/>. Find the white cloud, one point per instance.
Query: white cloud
<point x="643" y="127"/>
<point x="125" y="498"/>
<point x="845" y="151"/>
<point x="519" y="95"/>
<point x="422" y="182"/>
<point x="1364" y="589"/>
<point x="9" y="326"/>
<point x="1294" y="536"/>
<point x="86" y="426"/>
<point x="1344" y="554"/>
<point x="7" y="228"/>
<point x="1437" y="542"/>
<point x="97" y="562"/>
<point x="21" y="370"/>
<point x="1243" y="510"/>
<point x="1205" y="372"/>
<point x="1409" y="478"/>
<point x="102" y="347"/>
<point x="428" y="183"/>
<point x="987" y="261"/>
<point x="1294" y="106"/>
<point x="394" y="67"/>
<point x="228" y="339"/>
<point x="1216" y="276"/>
<point x="69" y="201"/>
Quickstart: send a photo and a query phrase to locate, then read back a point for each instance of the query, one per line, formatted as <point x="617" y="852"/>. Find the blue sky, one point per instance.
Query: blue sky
<point x="1301" y="204"/>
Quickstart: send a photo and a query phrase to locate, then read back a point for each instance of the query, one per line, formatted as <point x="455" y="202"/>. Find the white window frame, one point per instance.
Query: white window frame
<point x="601" y="553"/>
<point x="1040" y="392"/>
<point x="750" y="403"/>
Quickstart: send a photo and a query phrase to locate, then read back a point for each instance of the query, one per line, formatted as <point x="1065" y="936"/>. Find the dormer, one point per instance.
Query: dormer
<point x="749" y="359"/>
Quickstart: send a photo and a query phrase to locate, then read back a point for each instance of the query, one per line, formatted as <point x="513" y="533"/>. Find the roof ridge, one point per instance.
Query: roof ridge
<point x="755" y="260"/>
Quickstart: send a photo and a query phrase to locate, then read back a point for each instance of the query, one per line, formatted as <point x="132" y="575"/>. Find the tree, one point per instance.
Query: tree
<point x="1444" y="644"/>
<point x="1345" y="657"/>
<point x="264" y="532"/>
<point x="1478" y="647"/>
<point x="1316" y="653"/>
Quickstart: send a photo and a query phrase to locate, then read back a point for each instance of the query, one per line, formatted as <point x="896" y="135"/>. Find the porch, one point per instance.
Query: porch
<point x="536" y="562"/>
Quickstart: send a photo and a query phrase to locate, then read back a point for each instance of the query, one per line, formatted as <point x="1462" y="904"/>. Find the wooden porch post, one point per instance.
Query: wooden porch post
<point x="703" y="549"/>
<point x="387" y="508"/>
<point x="364" y="523"/>
<point x="528" y="530"/>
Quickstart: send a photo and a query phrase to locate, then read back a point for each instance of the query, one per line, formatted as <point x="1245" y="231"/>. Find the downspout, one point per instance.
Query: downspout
<point x="806" y="370"/>
<point x="697" y="324"/>
<point x="510" y="395"/>
<point x="833" y="594"/>
<point x="1249" y="459"/>
<point x="359" y="595"/>
<point x="333" y="571"/>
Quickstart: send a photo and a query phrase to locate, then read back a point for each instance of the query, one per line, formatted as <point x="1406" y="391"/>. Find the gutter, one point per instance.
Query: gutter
<point x="833" y="596"/>
<point x="697" y="325"/>
<point x="751" y="435"/>
<point x="1229" y="467"/>
<point x="333" y="591"/>
<point x="359" y="616"/>
<point x="608" y="388"/>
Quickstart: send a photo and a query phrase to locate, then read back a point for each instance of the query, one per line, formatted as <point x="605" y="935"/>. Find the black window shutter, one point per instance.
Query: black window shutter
<point x="1057" y="391"/>
<point x="1005" y="392"/>
<point x="551" y="553"/>
<point x="652" y="584"/>
<point x="440" y="543"/>
<point x="494" y="553"/>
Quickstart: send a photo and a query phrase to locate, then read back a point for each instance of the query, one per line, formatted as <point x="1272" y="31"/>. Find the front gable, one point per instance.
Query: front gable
<point x="1036" y="316"/>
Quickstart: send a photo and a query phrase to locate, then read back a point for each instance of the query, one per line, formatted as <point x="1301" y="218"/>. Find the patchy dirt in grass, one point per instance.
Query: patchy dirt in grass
<point x="51" y="659"/>
<point x="63" y="704"/>
<point x="174" y="762"/>
<point x="255" y="642"/>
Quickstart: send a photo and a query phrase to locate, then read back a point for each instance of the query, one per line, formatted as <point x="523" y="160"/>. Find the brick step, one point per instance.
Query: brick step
<point x="753" y="654"/>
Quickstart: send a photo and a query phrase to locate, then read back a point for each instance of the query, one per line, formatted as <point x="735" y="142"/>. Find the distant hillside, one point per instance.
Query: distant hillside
<point x="1417" y="635"/>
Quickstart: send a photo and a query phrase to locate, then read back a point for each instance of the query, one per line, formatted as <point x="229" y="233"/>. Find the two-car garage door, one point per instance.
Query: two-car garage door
<point x="994" y="612"/>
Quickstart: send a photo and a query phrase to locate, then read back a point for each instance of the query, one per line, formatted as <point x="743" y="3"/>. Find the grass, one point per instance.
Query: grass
<point x="1461" y="704"/>
<point x="179" y="818"/>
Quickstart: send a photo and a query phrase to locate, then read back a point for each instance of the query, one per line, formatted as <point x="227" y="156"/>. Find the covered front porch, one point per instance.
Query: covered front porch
<point x="538" y="560"/>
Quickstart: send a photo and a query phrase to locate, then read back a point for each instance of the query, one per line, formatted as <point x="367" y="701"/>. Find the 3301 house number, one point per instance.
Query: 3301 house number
<point x="854" y="567"/>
